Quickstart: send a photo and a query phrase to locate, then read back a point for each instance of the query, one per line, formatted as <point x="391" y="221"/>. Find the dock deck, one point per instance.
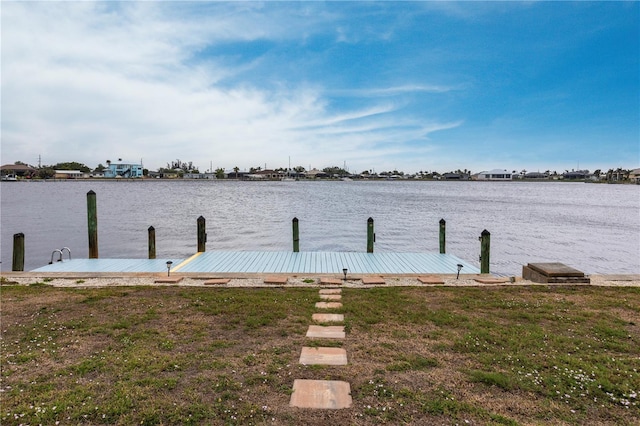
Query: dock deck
<point x="254" y="262"/>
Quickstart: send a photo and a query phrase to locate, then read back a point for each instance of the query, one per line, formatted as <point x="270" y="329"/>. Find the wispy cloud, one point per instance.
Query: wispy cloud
<point x="248" y="83"/>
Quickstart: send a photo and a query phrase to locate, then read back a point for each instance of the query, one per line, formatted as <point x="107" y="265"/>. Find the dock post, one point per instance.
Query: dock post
<point x="18" y="252"/>
<point x="202" y="235"/>
<point x="485" y="245"/>
<point x="152" y="242"/>
<point x="296" y="235"/>
<point x="371" y="236"/>
<point x="443" y="236"/>
<point x="92" y="221"/>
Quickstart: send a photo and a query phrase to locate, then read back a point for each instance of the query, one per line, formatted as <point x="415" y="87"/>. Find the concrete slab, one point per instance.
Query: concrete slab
<point x="327" y="317"/>
<point x="321" y="394"/>
<point x="330" y="281"/>
<point x="333" y="297"/>
<point x="431" y="279"/>
<point x="323" y="356"/>
<point x="217" y="281"/>
<point x="326" y="331"/>
<point x="372" y="280"/>
<point x="536" y="276"/>
<point x="168" y="280"/>
<point x="331" y="291"/>
<point x="555" y="269"/>
<point x="328" y="305"/>
<point x="275" y="279"/>
<point x="492" y="280"/>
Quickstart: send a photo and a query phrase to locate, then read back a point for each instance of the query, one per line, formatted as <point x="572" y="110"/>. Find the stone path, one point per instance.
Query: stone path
<point x="323" y="394"/>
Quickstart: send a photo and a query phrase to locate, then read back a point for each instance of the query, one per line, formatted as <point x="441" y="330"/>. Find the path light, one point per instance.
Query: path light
<point x="169" y="263"/>
<point x="344" y="271"/>
<point x="459" y="268"/>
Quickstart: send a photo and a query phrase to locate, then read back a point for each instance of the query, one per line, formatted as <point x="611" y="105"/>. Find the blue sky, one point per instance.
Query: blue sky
<point x="378" y="85"/>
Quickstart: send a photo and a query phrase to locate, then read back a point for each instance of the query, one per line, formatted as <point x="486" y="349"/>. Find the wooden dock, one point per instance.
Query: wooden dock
<point x="261" y="262"/>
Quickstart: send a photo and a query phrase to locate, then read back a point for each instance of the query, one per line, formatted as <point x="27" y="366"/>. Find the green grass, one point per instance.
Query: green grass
<point x="172" y="355"/>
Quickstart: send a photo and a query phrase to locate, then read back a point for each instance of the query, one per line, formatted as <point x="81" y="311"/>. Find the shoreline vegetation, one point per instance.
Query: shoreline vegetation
<point x="123" y="351"/>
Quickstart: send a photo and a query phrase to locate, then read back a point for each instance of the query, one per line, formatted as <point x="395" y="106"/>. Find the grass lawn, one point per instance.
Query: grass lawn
<point x="178" y="355"/>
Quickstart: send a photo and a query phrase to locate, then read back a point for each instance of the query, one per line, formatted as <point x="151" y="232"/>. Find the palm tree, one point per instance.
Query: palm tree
<point x="236" y="169"/>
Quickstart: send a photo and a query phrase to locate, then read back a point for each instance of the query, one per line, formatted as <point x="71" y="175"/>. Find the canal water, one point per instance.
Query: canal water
<point x="592" y="227"/>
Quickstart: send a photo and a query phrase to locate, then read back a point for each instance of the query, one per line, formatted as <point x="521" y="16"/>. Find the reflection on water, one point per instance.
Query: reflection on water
<point x="595" y="228"/>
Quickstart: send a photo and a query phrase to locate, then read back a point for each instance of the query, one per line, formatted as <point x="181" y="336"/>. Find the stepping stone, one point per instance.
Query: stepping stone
<point x="327" y="317"/>
<point x="330" y="297"/>
<point x="328" y="305"/>
<point x="331" y="291"/>
<point x="330" y="281"/>
<point x="431" y="279"/>
<point x="492" y="280"/>
<point x="276" y="280"/>
<point x="217" y="281"/>
<point x="168" y="280"/>
<point x="321" y="394"/>
<point x="326" y="332"/>
<point x="323" y="356"/>
<point x="372" y="280"/>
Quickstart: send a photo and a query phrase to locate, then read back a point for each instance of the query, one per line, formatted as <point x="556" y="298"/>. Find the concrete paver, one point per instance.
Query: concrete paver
<point x="431" y="279"/>
<point x="373" y="280"/>
<point x="323" y="356"/>
<point x="321" y="394"/>
<point x="328" y="305"/>
<point x="333" y="297"/>
<point x="217" y="281"/>
<point x="328" y="317"/>
<point x="276" y="279"/>
<point x="330" y="281"/>
<point x="326" y="332"/>
<point x="331" y="291"/>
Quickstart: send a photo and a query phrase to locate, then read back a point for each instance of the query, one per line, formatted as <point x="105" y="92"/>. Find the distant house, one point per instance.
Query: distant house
<point x="575" y="175"/>
<point x="495" y="174"/>
<point x="122" y="169"/>
<point x="17" y="170"/>
<point x="455" y="176"/>
<point x="634" y="176"/>
<point x="199" y="176"/>
<point x="316" y="174"/>
<point x="536" y="175"/>
<point x="68" y="174"/>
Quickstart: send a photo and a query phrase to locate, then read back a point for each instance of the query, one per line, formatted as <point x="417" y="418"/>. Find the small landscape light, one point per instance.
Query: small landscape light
<point x="169" y="263"/>
<point x="344" y="271"/>
<point x="459" y="268"/>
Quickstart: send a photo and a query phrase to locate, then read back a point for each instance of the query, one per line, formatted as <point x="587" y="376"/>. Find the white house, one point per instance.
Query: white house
<point x="495" y="174"/>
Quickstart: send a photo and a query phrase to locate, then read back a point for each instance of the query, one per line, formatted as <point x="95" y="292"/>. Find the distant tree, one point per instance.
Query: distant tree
<point x="145" y="172"/>
<point x="299" y="169"/>
<point x="100" y="168"/>
<point x="236" y="169"/>
<point x="46" y="172"/>
<point x="219" y="173"/>
<point x="72" y="166"/>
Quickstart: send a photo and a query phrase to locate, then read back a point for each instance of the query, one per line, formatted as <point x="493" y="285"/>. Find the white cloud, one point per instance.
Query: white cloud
<point x="94" y="81"/>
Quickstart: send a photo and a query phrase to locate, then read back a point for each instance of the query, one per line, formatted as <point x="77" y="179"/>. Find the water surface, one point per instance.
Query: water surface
<point x="592" y="227"/>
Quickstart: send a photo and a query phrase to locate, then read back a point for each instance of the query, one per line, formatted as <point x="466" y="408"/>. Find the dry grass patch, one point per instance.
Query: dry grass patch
<point x="176" y="355"/>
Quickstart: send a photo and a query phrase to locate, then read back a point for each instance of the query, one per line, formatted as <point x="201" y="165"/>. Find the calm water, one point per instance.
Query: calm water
<point x="595" y="228"/>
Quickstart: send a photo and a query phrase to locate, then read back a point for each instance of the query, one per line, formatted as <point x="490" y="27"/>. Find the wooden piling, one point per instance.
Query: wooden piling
<point x="443" y="236"/>
<point x="296" y="235"/>
<point x="202" y="234"/>
<point x="152" y="242"/>
<point x="485" y="245"/>
<point x="371" y="236"/>
<point x="92" y="221"/>
<point x="18" y="252"/>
